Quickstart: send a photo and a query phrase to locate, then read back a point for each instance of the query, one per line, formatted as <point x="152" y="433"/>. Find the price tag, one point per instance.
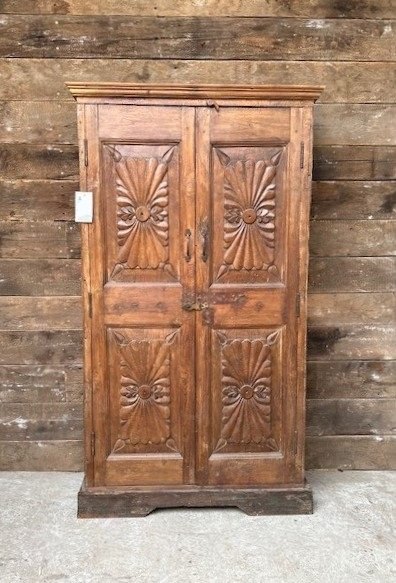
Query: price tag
<point x="83" y="210"/>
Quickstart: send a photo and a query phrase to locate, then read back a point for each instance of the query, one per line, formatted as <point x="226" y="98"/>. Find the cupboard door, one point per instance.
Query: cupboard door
<point x="248" y="208"/>
<point x="141" y="170"/>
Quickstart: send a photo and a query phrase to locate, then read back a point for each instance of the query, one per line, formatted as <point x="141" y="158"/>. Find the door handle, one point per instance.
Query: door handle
<point x="204" y="230"/>
<point x="187" y="236"/>
<point x="194" y="306"/>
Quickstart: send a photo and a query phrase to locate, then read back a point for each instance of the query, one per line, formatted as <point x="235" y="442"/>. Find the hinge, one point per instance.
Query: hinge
<point x="85" y="152"/>
<point x="92" y="444"/>
<point x="302" y="155"/>
<point x="90" y="304"/>
<point x="298" y="304"/>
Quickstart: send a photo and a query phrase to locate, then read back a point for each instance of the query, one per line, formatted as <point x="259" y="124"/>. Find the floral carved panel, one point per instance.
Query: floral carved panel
<point x="249" y="190"/>
<point x="144" y="392"/>
<point x="246" y="385"/>
<point x="142" y="194"/>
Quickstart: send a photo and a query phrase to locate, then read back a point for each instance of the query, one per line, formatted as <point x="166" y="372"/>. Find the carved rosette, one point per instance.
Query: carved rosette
<point x="249" y="214"/>
<point x="144" y="392"/>
<point x="142" y="211"/>
<point x="246" y="392"/>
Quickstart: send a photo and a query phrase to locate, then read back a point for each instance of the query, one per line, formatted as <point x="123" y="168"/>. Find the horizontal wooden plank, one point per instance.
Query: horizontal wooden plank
<point x="351" y="379"/>
<point x="353" y="238"/>
<point x="40" y="313"/>
<point x="45" y="348"/>
<point x="57" y="36"/>
<point x="38" y="161"/>
<point x="351" y="416"/>
<point x="38" y="200"/>
<point x="353" y="200"/>
<point x="324" y="343"/>
<point x="307" y="8"/>
<point x="358" y="452"/>
<point x="32" y="384"/>
<point x="60" y="162"/>
<point x="356" y="124"/>
<point x="329" y="274"/>
<point x="60" y="455"/>
<point x="354" y="163"/>
<point x="40" y="121"/>
<point x="344" y="82"/>
<point x="344" y="342"/>
<point x="20" y="239"/>
<point x="40" y="277"/>
<point x="351" y="308"/>
<point x="40" y="421"/>
<point x="51" y="277"/>
<point x="352" y="274"/>
<point x="40" y="384"/>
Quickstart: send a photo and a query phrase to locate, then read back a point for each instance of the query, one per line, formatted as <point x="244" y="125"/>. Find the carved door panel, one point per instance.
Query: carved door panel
<point x="248" y="191"/>
<point x="142" y="173"/>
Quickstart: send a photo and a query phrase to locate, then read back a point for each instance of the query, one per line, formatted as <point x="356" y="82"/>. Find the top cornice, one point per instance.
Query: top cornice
<point x="173" y="91"/>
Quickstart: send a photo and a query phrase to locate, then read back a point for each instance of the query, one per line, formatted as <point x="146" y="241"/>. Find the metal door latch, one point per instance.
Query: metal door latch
<point x="194" y="306"/>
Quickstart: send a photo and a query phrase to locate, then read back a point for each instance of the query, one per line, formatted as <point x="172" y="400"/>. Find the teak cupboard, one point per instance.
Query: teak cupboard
<point x="194" y="281"/>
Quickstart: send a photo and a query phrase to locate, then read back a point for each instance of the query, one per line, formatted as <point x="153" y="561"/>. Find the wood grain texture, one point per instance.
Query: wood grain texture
<point x="195" y="38"/>
<point x="352" y="274"/>
<point x="343" y="342"/>
<point x="127" y="502"/>
<point x="29" y="240"/>
<point x="41" y="384"/>
<point x="358" y="452"/>
<point x="46" y="421"/>
<point x="351" y="308"/>
<point x="41" y="347"/>
<point x="178" y="93"/>
<point x="32" y="384"/>
<point x="40" y="277"/>
<point x="351" y="416"/>
<point x="353" y="200"/>
<point x="37" y="313"/>
<point x="354" y="163"/>
<point x="345" y="452"/>
<point x="60" y="162"/>
<point x="345" y="82"/>
<point x="351" y="379"/>
<point x="353" y="238"/>
<point x="376" y="9"/>
<point x="37" y="122"/>
<point x="35" y="200"/>
<point x="38" y="161"/>
<point x="74" y="384"/>
<point x="342" y="326"/>
<point x="358" y="124"/>
<point x="51" y="455"/>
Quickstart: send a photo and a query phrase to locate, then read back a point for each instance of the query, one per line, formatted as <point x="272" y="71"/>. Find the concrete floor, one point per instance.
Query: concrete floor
<point x="348" y="539"/>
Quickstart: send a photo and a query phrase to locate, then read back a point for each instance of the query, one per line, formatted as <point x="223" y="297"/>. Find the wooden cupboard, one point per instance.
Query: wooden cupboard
<point x="194" y="283"/>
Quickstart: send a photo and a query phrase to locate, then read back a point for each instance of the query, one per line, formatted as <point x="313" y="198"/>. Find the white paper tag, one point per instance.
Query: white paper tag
<point x="83" y="210"/>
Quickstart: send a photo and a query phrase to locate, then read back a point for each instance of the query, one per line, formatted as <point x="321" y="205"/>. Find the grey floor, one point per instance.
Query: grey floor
<point x="350" y="537"/>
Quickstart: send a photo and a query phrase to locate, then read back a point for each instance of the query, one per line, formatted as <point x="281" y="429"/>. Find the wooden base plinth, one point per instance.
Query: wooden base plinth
<point x="122" y="502"/>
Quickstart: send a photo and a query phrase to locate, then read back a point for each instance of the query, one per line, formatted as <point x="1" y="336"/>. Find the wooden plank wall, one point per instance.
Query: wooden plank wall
<point x="349" y="47"/>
